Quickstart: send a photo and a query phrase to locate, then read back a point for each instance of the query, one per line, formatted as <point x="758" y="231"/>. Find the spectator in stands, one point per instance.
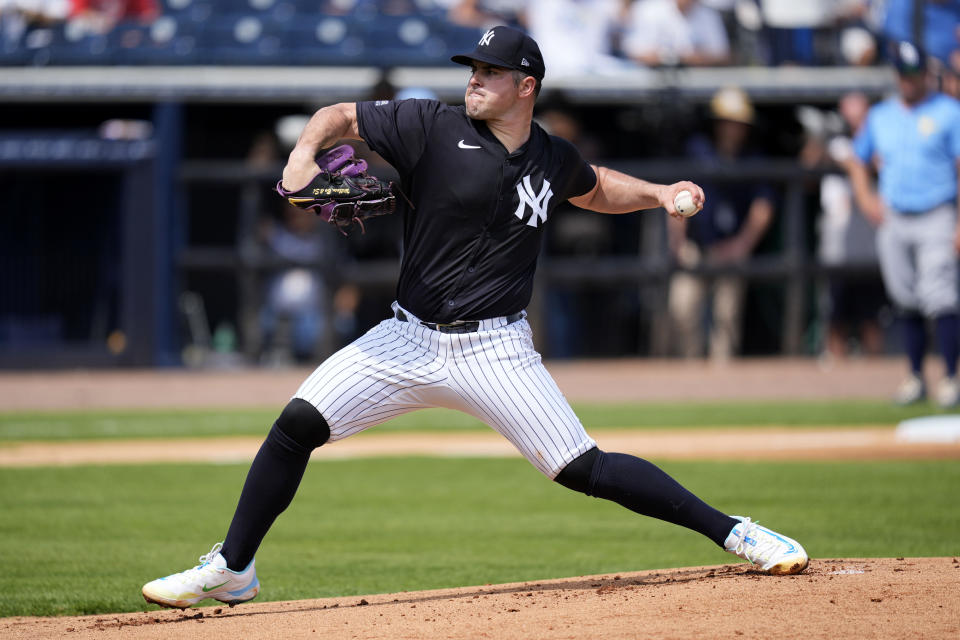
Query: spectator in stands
<point x="291" y="318"/>
<point x="292" y="315"/>
<point x="101" y="16"/>
<point x="672" y="32"/>
<point x="576" y="36"/>
<point x="735" y="217"/>
<point x="789" y="29"/>
<point x="370" y="8"/>
<point x="28" y="22"/>
<point x="726" y="9"/>
<point x="336" y="7"/>
<point x="950" y="76"/>
<point x="857" y="46"/>
<point x="486" y="13"/>
<point x="852" y="307"/>
<point x="35" y="12"/>
<point x="723" y="6"/>
<point x="933" y="26"/>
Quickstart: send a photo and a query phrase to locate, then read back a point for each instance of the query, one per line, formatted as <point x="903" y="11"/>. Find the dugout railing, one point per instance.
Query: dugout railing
<point x="794" y="266"/>
<point x="148" y="293"/>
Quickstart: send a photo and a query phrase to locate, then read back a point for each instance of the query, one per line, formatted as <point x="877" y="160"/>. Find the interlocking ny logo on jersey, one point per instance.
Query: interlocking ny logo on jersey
<point x="487" y="37"/>
<point x="538" y="201"/>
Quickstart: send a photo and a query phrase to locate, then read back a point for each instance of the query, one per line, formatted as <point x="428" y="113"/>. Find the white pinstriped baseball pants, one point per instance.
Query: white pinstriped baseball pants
<point x="493" y="374"/>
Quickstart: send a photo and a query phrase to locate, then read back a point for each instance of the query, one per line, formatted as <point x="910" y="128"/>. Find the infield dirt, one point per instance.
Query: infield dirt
<point x="764" y="443"/>
<point x="862" y="598"/>
<point x="851" y="598"/>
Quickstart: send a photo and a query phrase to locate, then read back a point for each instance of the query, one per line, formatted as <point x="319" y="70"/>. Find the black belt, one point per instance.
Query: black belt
<point x="458" y="326"/>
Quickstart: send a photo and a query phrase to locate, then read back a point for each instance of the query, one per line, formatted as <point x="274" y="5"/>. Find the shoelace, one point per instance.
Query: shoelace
<point x="765" y="545"/>
<point x="205" y="559"/>
<point x="741" y="535"/>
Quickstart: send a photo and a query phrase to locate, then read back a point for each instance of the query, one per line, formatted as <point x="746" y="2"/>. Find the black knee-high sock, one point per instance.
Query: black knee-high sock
<point x="270" y="486"/>
<point x="915" y="341"/>
<point x="646" y="489"/>
<point x="948" y="339"/>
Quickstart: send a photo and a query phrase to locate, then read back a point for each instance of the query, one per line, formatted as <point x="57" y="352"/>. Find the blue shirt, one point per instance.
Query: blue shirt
<point x="917" y="150"/>
<point x="940" y="21"/>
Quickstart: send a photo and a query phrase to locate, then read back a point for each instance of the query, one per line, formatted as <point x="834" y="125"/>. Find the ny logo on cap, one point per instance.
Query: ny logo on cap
<point x="908" y="53"/>
<point x="487" y="37"/>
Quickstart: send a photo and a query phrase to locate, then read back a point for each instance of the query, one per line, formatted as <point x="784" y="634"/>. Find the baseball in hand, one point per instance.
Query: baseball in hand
<point x="684" y="204"/>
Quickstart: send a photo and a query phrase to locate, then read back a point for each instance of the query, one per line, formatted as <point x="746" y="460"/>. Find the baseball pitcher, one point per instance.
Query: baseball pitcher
<point x="478" y="186"/>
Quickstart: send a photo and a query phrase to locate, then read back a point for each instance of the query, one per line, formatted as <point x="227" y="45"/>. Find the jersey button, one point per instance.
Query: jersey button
<point x="451" y="302"/>
<point x="471" y="269"/>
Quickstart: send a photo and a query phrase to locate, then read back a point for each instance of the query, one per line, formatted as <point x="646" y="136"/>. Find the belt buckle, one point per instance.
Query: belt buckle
<point x="458" y="326"/>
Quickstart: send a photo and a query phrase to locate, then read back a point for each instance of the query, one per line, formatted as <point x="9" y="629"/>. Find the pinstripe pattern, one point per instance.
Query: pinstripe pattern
<point x="494" y="374"/>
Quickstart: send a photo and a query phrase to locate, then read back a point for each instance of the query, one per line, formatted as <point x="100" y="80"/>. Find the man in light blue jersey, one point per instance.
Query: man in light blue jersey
<point x="912" y="139"/>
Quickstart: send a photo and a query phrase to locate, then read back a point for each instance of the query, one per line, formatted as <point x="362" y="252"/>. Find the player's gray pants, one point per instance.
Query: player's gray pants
<point x="494" y="374"/>
<point x="918" y="260"/>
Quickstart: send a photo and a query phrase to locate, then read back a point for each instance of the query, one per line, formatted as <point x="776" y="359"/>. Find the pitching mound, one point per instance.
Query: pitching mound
<point x="876" y="598"/>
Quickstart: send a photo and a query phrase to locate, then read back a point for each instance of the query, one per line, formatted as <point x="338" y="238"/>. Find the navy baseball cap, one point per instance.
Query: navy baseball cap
<point x="509" y="48"/>
<point x="908" y="58"/>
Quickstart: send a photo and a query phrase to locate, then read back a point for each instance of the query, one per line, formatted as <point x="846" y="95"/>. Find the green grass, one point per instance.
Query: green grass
<point x="83" y="425"/>
<point x="84" y="539"/>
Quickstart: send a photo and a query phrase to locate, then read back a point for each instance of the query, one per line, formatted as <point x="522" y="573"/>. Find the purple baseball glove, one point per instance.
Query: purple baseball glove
<point x="342" y="193"/>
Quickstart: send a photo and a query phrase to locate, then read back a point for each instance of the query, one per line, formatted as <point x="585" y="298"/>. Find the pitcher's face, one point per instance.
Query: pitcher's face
<point x="491" y="91"/>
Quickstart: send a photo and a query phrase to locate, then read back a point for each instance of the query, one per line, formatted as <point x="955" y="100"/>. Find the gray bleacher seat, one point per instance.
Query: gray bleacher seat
<point x="251" y="32"/>
<point x="417" y="40"/>
<point x="328" y="40"/>
<point x="169" y="40"/>
<point x="12" y="49"/>
<point x="246" y="39"/>
<point x="70" y="46"/>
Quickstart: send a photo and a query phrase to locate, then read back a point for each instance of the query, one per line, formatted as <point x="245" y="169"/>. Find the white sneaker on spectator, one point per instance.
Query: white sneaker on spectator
<point x="948" y="393"/>
<point x="911" y="391"/>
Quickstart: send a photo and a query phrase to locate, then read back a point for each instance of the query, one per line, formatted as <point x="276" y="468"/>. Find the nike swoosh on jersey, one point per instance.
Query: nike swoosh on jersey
<point x="464" y="145"/>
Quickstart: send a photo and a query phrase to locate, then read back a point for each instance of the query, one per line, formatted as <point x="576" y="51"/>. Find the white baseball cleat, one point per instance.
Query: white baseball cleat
<point x="911" y="391"/>
<point x="209" y="579"/>
<point x="774" y="553"/>
<point x="948" y="393"/>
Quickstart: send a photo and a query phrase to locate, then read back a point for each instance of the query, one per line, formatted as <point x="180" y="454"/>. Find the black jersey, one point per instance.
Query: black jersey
<point x="472" y="239"/>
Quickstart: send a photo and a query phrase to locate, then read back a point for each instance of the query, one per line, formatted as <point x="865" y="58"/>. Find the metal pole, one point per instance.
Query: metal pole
<point x="795" y="255"/>
<point x="167" y="230"/>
